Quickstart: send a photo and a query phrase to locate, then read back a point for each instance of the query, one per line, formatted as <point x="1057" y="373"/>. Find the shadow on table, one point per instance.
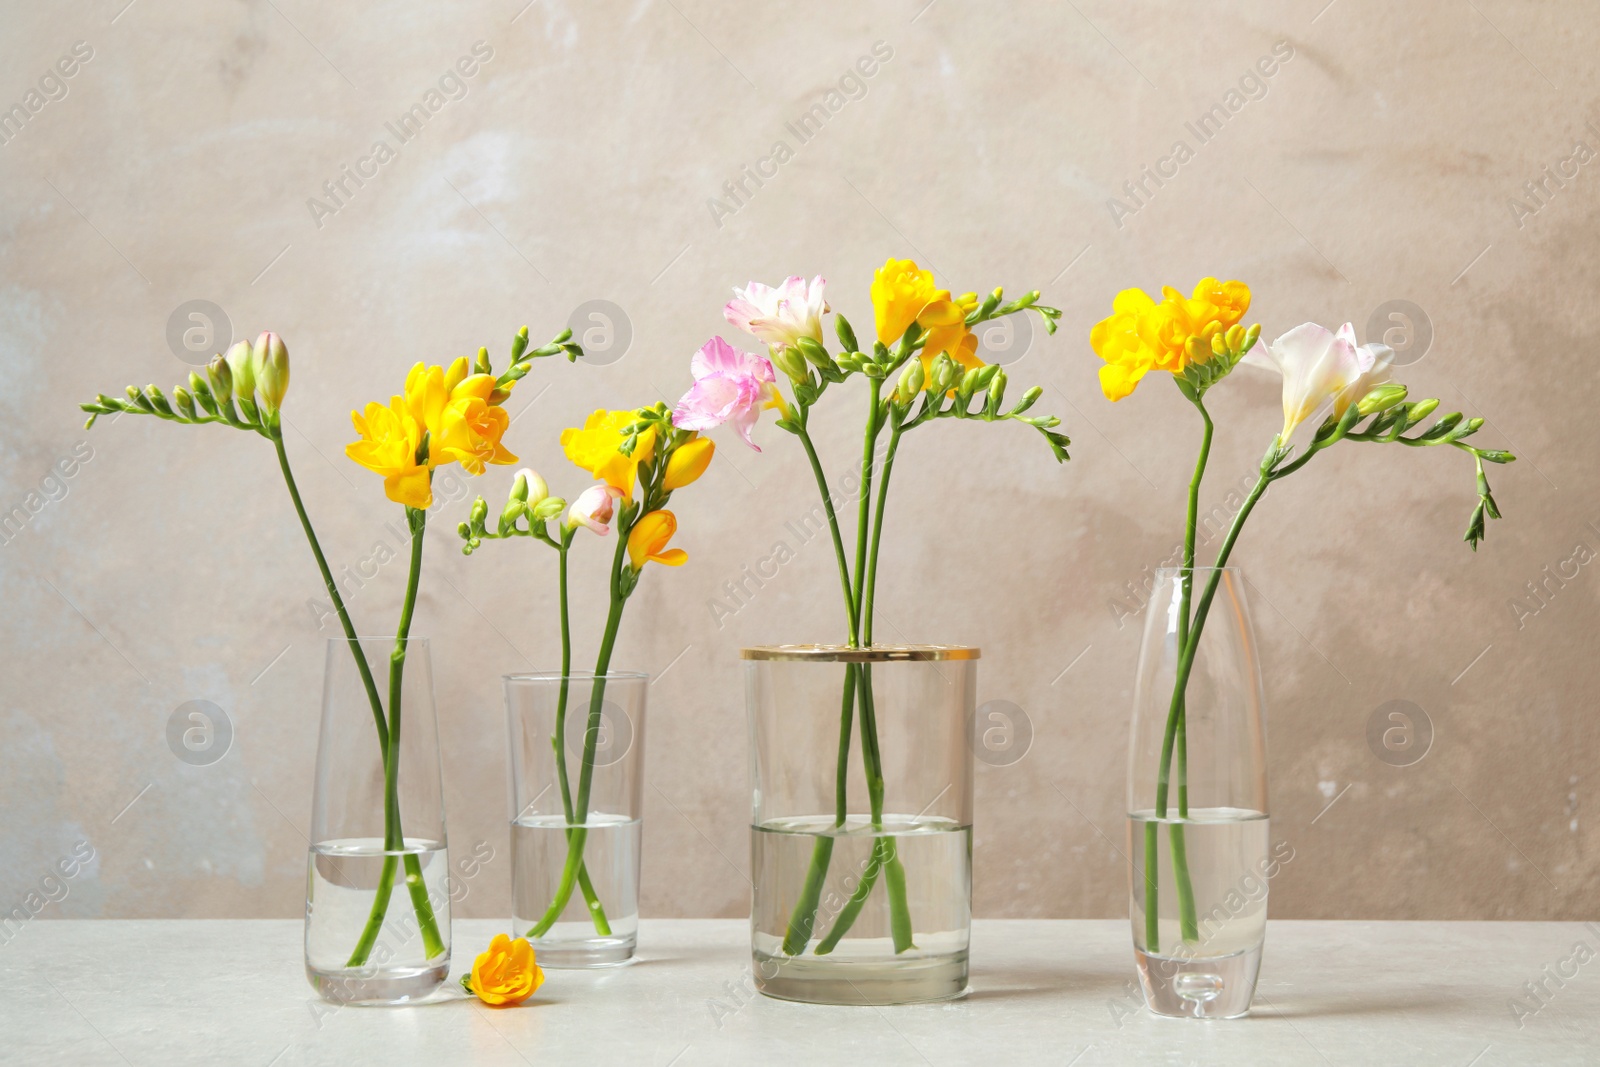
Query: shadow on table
<point x="1310" y="1006"/>
<point x="1047" y="982"/>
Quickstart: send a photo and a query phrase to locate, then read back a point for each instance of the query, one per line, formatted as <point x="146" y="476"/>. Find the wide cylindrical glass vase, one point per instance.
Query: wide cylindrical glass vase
<point x="576" y="769"/>
<point x="1198" y="852"/>
<point x="377" y="885"/>
<point x="861" y="821"/>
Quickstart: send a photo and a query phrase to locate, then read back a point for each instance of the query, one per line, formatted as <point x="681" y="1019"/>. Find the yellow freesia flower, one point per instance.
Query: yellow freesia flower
<point x="597" y="448"/>
<point x="649" y="538"/>
<point x="688" y="463"/>
<point x="1142" y="335"/>
<point x="903" y="293"/>
<point x="453" y="406"/>
<point x="506" y="973"/>
<point x="390" y="438"/>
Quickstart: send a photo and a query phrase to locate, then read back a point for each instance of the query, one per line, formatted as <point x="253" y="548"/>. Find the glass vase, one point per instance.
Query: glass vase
<point x="1198" y="860"/>
<point x="377" y="883"/>
<point x="861" y="821"/>
<point x="577" y="791"/>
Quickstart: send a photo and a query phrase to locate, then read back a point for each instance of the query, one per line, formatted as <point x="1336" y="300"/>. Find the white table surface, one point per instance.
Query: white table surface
<point x="1045" y="992"/>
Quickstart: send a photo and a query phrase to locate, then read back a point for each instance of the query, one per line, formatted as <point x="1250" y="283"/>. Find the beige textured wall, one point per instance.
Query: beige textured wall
<point x="1379" y="164"/>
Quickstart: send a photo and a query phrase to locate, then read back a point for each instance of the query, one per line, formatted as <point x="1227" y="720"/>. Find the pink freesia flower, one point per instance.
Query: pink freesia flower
<point x="1319" y="365"/>
<point x="780" y="316"/>
<point x="594" y="508"/>
<point x="729" y="386"/>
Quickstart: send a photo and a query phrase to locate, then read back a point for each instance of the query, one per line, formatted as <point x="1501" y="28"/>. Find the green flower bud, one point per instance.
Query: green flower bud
<point x="464" y="531"/>
<point x="813" y="352"/>
<point x="220" y="377"/>
<point x="911" y="380"/>
<point x="944" y="374"/>
<point x="519" y="344"/>
<point x="184" y="400"/>
<point x="1382" y="398"/>
<point x="1422" y="409"/>
<point x="271" y="360"/>
<point x="241" y="363"/>
<point x="997" y="392"/>
<point x="847" y="336"/>
<point x="480" y="511"/>
<point x="482" y="364"/>
<point x="1234" y="337"/>
<point x="790" y="362"/>
<point x="1250" y="337"/>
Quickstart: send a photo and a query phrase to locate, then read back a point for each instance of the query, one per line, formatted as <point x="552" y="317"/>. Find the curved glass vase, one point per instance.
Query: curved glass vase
<point x="1198" y="850"/>
<point x="377" y="885"/>
<point x="861" y="821"/>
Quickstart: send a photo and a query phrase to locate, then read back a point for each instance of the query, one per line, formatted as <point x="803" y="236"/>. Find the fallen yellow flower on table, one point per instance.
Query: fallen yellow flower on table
<point x="505" y="974"/>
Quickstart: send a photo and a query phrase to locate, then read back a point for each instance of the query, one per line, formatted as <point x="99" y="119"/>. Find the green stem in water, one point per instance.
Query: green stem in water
<point x="1183" y="884"/>
<point x="1186" y="665"/>
<point x="804" y="915"/>
<point x="885" y="854"/>
<point x="577" y="836"/>
<point x="597" y="911"/>
<point x="394" y="837"/>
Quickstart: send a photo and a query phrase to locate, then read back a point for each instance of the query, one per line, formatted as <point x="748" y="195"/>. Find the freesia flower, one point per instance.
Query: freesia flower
<point x="1318" y="366"/>
<point x="453" y="406"/>
<point x="594" y="508"/>
<point x="903" y="293"/>
<point x="506" y="973"/>
<point x="729" y="386"/>
<point x="780" y="316"/>
<point x="688" y="463"/>
<point x="597" y="448"/>
<point x="390" y="438"/>
<point x="647" y="542"/>
<point x="1142" y="335"/>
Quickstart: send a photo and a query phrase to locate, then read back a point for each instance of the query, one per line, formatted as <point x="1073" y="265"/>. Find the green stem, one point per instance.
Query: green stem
<point x="394" y="837"/>
<point x="802" y="919"/>
<point x="885" y="853"/>
<point x="1187" y="653"/>
<point x="1183" y="883"/>
<point x="578" y="835"/>
<point x="597" y="911"/>
<point x="276" y="433"/>
<point x="833" y="527"/>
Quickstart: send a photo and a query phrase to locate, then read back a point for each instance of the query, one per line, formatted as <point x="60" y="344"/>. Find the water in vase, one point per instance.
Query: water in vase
<point x="342" y="883"/>
<point x="861" y="965"/>
<point x="1203" y="958"/>
<point x="611" y="858"/>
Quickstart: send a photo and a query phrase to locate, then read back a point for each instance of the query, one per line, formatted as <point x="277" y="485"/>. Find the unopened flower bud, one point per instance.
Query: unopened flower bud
<point x="1219" y="344"/>
<point x="220" y="378"/>
<point x="480" y="511"/>
<point x="790" y="362"/>
<point x="911" y="382"/>
<point x="944" y="373"/>
<point x="241" y="363"/>
<point x="184" y="401"/>
<point x="1423" y="408"/>
<point x="1382" y="398"/>
<point x="481" y="365"/>
<point x="529" y="487"/>
<point x="813" y="352"/>
<point x="1234" y="337"/>
<point x="271" y="360"/>
<point x="1250" y="337"/>
<point x="1198" y="349"/>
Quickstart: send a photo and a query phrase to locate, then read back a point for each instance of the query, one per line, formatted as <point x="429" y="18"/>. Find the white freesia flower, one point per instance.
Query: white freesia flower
<point x="780" y="316"/>
<point x="1318" y="366"/>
